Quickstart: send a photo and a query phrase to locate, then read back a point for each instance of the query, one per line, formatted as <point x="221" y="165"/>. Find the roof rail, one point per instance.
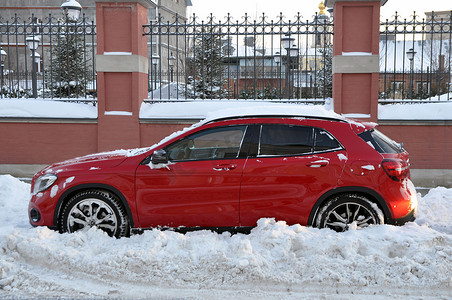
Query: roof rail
<point x="277" y="116"/>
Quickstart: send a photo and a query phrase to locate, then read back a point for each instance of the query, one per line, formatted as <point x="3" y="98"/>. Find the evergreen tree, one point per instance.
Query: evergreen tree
<point x="207" y="80"/>
<point x="66" y="75"/>
<point x="324" y="75"/>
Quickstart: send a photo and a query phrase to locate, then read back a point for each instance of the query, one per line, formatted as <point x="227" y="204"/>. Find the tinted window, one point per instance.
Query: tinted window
<point x="381" y="142"/>
<point x="214" y="143"/>
<point x="324" y="141"/>
<point x="285" y="140"/>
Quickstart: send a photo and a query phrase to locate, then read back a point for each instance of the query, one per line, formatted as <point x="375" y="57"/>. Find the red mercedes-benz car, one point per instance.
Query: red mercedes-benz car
<point x="228" y="173"/>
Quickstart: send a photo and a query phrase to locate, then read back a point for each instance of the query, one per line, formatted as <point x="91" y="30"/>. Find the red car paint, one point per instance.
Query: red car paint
<point x="233" y="192"/>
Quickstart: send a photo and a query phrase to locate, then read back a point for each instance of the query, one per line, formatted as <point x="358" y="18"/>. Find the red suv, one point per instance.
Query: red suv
<point x="228" y="173"/>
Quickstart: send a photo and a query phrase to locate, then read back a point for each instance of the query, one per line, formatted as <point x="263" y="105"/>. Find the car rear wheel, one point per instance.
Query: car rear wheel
<point x="349" y="211"/>
<point x="94" y="209"/>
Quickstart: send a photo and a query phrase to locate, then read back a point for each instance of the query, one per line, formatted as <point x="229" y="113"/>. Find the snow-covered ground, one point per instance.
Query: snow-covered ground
<point x="275" y="261"/>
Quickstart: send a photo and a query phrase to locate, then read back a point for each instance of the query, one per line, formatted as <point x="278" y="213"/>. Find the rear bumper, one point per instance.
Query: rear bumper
<point x="409" y="203"/>
<point x="410" y="217"/>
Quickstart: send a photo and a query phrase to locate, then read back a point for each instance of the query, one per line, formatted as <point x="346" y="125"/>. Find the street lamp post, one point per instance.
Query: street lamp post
<point x="171" y="62"/>
<point x="155" y="61"/>
<point x="3" y="55"/>
<point x="33" y="44"/>
<point x="234" y="80"/>
<point x="277" y="59"/>
<point x="293" y="54"/>
<point x="410" y="54"/>
<point x="291" y="51"/>
<point x="71" y="10"/>
<point x="310" y="82"/>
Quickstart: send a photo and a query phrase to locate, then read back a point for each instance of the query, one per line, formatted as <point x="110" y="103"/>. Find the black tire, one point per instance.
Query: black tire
<point x="95" y="208"/>
<point x="346" y="211"/>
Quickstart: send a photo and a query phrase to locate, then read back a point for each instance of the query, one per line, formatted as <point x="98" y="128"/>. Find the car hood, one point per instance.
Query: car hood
<point x="89" y="162"/>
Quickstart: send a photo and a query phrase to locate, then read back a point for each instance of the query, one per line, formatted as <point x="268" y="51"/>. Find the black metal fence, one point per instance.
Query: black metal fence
<point x="227" y="59"/>
<point x="51" y="58"/>
<point x="416" y="57"/>
<point x="240" y="59"/>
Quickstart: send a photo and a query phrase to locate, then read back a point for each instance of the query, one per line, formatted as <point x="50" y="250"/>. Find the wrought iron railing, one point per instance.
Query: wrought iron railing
<point x="416" y="57"/>
<point x="240" y="59"/>
<point x="230" y="59"/>
<point x="62" y="65"/>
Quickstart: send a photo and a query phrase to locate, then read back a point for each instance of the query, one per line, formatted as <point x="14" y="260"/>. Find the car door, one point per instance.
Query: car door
<point x="289" y="173"/>
<point x="199" y="186"/>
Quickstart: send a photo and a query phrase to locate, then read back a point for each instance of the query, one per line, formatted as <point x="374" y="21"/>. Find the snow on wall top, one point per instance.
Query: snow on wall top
<point x="213" y="109"/>
<point x="22" y="108"/>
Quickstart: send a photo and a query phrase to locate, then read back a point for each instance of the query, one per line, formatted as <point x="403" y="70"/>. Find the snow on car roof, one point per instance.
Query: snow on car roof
<point x="273" y="110"/>
<point x="217" y="109"/>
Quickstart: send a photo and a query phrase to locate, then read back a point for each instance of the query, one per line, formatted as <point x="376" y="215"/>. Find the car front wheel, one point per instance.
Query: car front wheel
<point x="94" y="209"/>
<point x="349" y="211"/>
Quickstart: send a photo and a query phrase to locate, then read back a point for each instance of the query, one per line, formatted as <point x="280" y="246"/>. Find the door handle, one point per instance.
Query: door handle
<point x="317" y="164"/>
<point x="225" y="167"/>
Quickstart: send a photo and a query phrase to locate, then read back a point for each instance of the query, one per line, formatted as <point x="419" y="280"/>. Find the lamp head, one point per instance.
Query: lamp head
<point x="72" y="10"/>
<point x="410" y="54"/>
<point x="32" y="42"/>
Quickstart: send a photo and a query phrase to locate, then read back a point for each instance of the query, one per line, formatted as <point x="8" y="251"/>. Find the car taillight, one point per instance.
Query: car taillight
<point x="396" y="169"/>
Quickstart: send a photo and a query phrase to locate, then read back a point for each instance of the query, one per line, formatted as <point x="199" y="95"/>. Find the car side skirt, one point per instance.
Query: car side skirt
<point x="233" y="230"/>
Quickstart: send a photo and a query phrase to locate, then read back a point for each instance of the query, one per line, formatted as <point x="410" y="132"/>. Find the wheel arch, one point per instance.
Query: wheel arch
<point x="91" y="186"/>
<point x="369" y="193"/>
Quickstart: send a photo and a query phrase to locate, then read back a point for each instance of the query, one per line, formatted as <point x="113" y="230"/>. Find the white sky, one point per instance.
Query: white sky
<point x="307" y="8"/>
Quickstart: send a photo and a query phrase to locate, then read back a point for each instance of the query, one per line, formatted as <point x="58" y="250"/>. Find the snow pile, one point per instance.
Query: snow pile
<point x="437" y="200"/>
<point x="274" y="261"/>
<point x="14" y="197"/>
<point x="173" y="90"/>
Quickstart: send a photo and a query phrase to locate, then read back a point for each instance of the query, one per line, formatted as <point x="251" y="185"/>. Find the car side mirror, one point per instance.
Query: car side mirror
<point x="159" y="157"/>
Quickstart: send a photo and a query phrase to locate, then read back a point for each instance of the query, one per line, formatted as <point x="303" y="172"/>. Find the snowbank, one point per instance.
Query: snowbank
<point x="274" y="260"/>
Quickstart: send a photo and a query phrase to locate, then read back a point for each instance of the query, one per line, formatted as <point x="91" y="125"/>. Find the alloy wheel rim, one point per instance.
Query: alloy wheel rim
<point x="92" y="213"/>
<point x="349" y="215"/>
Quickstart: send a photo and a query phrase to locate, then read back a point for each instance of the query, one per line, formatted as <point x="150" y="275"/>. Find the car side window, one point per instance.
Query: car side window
<point x="324" y="141"/>
<point x="213" y="143"/>
<point x="282" y="139"/>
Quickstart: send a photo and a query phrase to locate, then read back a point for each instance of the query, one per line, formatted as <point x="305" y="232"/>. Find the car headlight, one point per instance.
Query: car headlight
<point x="44" y="182"/>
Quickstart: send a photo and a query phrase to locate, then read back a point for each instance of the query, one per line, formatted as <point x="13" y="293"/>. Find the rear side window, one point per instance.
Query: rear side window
<point x="282" y="139"/>
<point x="324" y="141"/>
<point x="286" y="140"/>
<point x="381" y="142"/>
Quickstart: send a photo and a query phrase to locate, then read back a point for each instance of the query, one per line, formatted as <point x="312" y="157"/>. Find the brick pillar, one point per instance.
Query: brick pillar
<point x="356" y="57"/>
<point x="122" y="67"/>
